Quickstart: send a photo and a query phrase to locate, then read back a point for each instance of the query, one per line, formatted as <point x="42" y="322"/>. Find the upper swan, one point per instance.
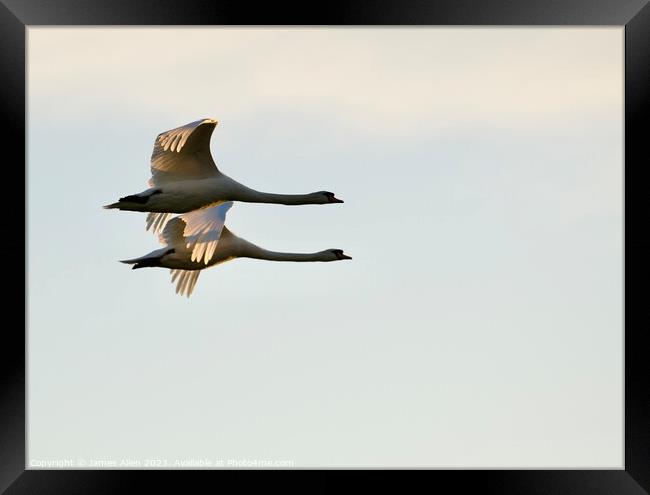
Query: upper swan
<point x="184" y="177"/>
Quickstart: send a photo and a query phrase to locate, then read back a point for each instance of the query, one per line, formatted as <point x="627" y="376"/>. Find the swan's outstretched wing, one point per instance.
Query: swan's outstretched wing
<point x="185" y="281"/>
<point x="183" y="154"/>
<point x="203" y="230"/>
<point x="197" y="232"/>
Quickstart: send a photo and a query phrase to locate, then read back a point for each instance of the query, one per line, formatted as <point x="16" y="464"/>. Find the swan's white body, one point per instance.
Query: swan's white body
<point x="184" y="177"/>
<point x="188" y="195"/>
<point x="179" y="253"/>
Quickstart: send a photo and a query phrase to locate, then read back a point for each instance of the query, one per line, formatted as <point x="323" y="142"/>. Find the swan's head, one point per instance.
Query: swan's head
<point x="334" y="255"/>
<point x="324" y="197"/>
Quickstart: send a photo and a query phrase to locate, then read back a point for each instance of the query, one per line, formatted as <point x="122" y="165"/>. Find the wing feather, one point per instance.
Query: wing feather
<point x="157" y="221"/>
<point x="185" y="281"/>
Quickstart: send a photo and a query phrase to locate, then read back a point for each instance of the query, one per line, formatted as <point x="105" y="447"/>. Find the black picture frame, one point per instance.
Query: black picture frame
<point x="16" y="15"/>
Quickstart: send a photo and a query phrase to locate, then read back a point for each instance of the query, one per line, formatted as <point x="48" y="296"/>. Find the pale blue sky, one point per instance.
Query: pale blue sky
<point x="480" y="321"/>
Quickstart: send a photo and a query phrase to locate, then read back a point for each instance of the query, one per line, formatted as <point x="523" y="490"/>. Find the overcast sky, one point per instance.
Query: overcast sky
<point x="480" y="321"/>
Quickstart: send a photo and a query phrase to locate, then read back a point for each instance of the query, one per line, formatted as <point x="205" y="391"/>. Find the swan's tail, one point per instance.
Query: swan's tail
<point x="152" y="259"/>
<point x="133" y="202"/>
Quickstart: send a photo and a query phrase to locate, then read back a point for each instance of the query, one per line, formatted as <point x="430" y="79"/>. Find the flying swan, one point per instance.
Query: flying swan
<point x="184" y="178"/>
<point x="178" y="256"/>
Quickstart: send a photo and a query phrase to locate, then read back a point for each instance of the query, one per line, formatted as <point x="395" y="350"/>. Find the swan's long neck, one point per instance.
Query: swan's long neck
<point x="249" y="250"/>
<point x="249" y="195"/>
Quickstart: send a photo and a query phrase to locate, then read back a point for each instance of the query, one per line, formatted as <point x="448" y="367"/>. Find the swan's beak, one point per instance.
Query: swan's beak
<point x="331" y="198"/>
<point x="344" y="257"/>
